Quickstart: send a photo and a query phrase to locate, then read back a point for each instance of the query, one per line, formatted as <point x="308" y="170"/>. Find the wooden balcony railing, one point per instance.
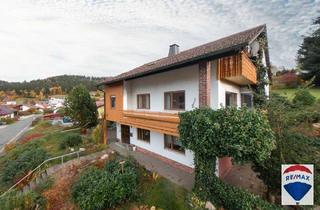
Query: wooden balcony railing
<point x="156" y="121"/>
<point x="237" y="69"/>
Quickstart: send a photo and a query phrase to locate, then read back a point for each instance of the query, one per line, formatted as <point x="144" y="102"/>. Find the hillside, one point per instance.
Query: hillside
<point x="64" y="82"/>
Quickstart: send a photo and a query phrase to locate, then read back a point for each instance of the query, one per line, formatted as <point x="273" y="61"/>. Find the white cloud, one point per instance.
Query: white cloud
<point x="41" y="38"/>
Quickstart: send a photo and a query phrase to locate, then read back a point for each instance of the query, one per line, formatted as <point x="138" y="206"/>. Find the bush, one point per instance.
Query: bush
<point x="97" y="134"/>
<point x="298" y="149"/>
<point x="7" y="120"/>
<point x="303" y="97"/>
<point x="47" y="111"/>
<point x="235" y="198"/>
<point x="36" y="121"/>
<point x="71" y="140"/>
<point x="105" y="188"/>
<point x="16" y="166"/>
<point x="26" y="201"/>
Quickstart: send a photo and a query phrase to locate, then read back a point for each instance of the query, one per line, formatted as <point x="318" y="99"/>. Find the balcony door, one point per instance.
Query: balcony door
<point x="125" y="134"/>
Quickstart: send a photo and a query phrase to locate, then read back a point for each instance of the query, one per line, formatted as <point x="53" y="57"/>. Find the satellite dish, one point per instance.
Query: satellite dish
<point x="254" y="48"/>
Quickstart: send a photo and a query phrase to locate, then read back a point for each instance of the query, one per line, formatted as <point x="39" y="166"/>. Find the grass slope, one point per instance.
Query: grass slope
<point x="289" y="93"/>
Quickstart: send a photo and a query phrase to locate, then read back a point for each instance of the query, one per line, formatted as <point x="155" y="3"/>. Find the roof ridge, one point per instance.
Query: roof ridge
<point x="239" y="38"/>
<point x="199" y="46"/>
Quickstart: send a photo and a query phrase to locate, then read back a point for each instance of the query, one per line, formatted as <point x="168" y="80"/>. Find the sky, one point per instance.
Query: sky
<point x="43" y="38"/>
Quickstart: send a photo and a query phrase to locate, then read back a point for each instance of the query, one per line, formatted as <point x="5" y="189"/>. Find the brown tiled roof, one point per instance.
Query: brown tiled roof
<point x="224" y="45"/>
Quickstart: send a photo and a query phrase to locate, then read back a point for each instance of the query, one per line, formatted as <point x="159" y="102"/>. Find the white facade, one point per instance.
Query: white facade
<point x="219" y="89"/>
<point x="156" y="85"/>
<point x="186" y="79"/>
<point x="156" y="145"/>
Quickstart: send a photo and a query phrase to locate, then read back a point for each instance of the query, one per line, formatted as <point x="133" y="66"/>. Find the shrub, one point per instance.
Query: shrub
<point x="243" y="134"/>
<point x="47" y="111"/>
<point x="97" y="134"/>
<point x="7" y="120"/>
<point x="235" y="198"/>
<point x="303" y="97"/>
<point x="17" y="166"/>
<point x="35" y="121"/>
<point x="105" y="188"/>
<point x="298" y="149"/>
<point x="26" y="201"/>
<point x="70" y="140"/>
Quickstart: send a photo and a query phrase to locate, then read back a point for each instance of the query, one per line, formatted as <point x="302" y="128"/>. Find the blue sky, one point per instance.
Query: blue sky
<point x="42" y="38"/>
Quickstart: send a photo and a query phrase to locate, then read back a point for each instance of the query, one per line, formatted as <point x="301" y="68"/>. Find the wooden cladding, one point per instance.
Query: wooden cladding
<point x="237" y="69"/>
<point x="113" y="101"/>
<point x="156" y="121"/>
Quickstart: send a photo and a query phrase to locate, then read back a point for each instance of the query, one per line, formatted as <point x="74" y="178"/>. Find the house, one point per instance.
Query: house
<point x="145" y="102"/>
<point x="6" y="112"/>
<point x="56" y="102"/>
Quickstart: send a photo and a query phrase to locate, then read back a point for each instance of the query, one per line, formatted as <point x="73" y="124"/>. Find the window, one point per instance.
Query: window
<point x="143" y="135"/>
<point x="247" y="99"/>
<point x="113" y="102"/>
<point x="174" y="100"/>
<point x="143" y="101"/>
<point x="172" y="142"/>
<point x="231" y="99"/>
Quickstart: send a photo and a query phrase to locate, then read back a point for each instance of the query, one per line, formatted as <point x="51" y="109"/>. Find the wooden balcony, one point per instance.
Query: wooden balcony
<point x="155" y="121"/>
<point x="237" y="69"/>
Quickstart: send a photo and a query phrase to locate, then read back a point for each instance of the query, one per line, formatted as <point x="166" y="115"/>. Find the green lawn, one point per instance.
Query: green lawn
<point x="289" y="93"/>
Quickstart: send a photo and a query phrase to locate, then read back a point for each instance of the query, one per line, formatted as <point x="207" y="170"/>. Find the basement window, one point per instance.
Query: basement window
<point x="112" y="102"/>
<point x="174" y="100"/>
<point x="143" y="135"/>
<point x="247" y="100"/>
<point x="173" y="143"/>
<point x="231" y="99"/>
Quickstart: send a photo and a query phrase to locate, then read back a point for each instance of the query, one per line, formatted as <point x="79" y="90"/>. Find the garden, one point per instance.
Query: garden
<point x="112" y="183"/>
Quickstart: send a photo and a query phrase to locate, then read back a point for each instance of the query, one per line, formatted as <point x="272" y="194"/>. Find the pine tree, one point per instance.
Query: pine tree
<point x="309" y="55"/>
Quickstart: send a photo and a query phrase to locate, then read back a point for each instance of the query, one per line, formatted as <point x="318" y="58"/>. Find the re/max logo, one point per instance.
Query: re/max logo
<point x="297" y="176"/>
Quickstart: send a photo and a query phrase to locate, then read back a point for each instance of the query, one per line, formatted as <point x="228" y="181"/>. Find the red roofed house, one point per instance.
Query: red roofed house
<point x="6" y="112"/>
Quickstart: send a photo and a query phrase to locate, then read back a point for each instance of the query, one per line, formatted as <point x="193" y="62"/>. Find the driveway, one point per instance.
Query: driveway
<point x="14" y="131"/>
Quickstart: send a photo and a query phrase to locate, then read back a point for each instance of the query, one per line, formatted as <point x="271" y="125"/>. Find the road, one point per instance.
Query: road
<point x="14" y="131"/>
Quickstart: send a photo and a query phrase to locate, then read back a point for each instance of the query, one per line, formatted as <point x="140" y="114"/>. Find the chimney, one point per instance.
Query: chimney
<point x="173" y="50"/>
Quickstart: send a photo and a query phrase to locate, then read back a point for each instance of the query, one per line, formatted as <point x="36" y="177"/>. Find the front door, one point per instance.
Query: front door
<point x="125" y="134"/>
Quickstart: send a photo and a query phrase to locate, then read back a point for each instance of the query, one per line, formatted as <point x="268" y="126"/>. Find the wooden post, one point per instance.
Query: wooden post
<point x="105" y="131"/>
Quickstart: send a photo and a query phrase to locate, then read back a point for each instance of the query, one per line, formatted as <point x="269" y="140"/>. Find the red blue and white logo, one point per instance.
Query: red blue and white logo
<point x="297" y="184"/>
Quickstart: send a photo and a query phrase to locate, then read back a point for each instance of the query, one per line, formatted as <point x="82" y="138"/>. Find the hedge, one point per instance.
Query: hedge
<point x="235" y="198"/>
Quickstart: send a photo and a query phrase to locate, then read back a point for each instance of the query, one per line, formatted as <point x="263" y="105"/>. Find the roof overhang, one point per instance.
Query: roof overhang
<point x="209" y="56"/>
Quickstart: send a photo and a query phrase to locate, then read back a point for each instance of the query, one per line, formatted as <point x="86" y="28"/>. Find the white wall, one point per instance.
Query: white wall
<point x="219" y="89"/>
<point x="156" y="145"/>
<point x="227" y="87"/>
<point x="186" y="79"/>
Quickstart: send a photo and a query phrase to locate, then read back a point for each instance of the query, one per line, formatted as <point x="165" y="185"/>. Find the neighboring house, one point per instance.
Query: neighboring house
<point x="6" y="112"/>
<point x="100" y="107"/>
<point x="145" y="101"/>
<point x="56" y="103"/>
<point x="11" y="103"/>
<point x="25" y="108"/>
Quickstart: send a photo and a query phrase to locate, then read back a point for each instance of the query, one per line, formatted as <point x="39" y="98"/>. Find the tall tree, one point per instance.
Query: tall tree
<point x="81" y="107"/>
<point x="309" y="55"/>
